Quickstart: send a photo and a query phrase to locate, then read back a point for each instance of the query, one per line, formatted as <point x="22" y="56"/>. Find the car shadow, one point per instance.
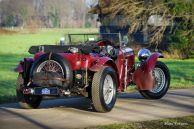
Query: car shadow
<point x="85" y="104"/>
<point x="133" y="95"/>
<point x="80" y="103"/>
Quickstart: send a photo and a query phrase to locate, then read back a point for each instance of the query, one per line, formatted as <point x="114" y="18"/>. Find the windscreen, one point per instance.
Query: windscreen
<point x="94" y="37"/>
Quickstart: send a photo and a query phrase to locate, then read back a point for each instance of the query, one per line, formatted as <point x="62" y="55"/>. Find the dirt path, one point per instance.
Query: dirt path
<point x="76" y="112"/>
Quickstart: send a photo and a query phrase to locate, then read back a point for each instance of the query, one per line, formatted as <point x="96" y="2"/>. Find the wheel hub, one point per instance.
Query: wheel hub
<point x="160" y="80"/>
<point x="108" y="89"/>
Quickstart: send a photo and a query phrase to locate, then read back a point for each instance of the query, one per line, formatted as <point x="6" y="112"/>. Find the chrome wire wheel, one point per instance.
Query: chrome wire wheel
<point x="160" y="80"/>
<point x="108" y="89"/>
<point x="51" y="66"/>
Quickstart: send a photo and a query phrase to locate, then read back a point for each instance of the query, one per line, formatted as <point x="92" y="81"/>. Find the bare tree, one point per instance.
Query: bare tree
<point x="65" y="13"/>
<point x="155" y="14"/>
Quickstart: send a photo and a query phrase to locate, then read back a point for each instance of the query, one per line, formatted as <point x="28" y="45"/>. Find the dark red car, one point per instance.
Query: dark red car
<point x="97" y="68"/>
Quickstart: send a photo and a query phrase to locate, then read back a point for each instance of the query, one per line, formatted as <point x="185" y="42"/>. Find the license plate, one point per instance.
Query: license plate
<point x="45" y="91"/>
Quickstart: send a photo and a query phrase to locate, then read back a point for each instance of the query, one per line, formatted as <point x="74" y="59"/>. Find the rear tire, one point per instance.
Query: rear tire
<point x="162" y="80"/>
<point x="26" y="101"/>
<point x="104" y="87"/>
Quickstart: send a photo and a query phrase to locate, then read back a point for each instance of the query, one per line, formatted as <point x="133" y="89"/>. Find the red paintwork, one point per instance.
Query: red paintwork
<point x="20" y="67"/>
<point x="120" y="63"/>
<point x="104" y="43"/>
<point x="143" y="76"/>
<point x="37" y="55"/>
<point x="79" y="61"/>
<point x="123" y="65"/>
<point x="100" y="62"/>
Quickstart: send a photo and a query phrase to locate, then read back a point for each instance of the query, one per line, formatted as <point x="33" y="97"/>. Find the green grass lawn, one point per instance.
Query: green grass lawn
<point x="182" y="72"/>
<point x="173" y="123"/>
<point x="15" y="46"/>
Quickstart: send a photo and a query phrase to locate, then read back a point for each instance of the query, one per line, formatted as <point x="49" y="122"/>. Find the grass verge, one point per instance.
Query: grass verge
<point x="172" y="123"/>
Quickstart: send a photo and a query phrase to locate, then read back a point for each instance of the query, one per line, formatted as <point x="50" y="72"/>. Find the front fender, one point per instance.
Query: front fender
<point x="19" y="68"/>
<point x="24" y="65"/>
<point x="102" y="61"/>
<point x="143" y="75"/>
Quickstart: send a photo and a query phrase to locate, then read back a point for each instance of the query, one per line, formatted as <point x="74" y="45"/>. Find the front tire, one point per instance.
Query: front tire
<point x="104" y="87"/>
<point x="26" y="101"/>
<point x="162" y="82"/>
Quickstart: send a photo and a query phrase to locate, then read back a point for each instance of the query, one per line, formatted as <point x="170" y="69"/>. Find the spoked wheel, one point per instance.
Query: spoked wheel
<point x="26" y="101"/>
<point x="50" y="65"/>
<point x="162" y="82"/>
<point x="104" y="89"/>
<point x="54" y="66"/>
<point x="108" y="89"/>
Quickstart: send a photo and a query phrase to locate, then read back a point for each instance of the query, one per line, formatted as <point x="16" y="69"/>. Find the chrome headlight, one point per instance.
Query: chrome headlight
<point x="143" y="54"/>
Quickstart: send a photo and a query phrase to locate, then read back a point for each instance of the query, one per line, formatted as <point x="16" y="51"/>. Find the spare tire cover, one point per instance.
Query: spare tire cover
<point x="55" y="81"/>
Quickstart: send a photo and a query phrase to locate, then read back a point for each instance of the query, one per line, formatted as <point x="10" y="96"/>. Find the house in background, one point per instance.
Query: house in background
<point x="111" y="24"/>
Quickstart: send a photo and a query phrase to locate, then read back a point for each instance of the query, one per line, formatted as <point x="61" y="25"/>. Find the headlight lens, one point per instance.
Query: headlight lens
<point x="143" y="54"/>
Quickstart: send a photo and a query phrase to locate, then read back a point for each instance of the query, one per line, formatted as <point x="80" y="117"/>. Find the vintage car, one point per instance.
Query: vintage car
<point x="90" y="65"/>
